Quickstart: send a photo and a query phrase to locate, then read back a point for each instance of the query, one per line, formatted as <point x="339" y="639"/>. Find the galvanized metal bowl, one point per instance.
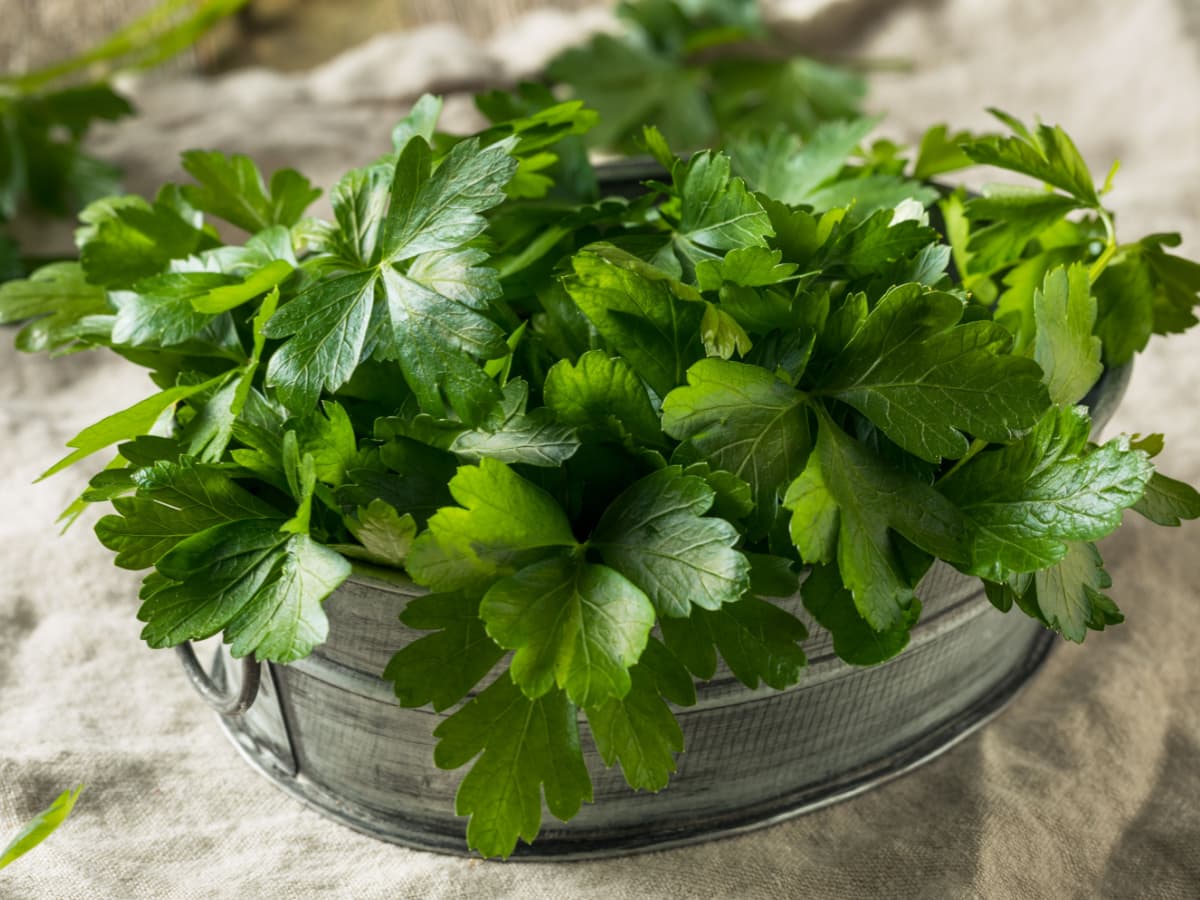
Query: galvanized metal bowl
<point x="330" y="732"/>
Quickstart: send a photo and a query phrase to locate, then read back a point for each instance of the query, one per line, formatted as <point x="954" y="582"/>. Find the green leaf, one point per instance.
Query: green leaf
<point x="649" y="318"/>
<point x="528" y="747"/>
<point x="854" y="641"/>
<point x="573" y="624"/>
<point x="940" y="152"/>
<point x="1069" y="355"/>
<point x="328" y="324"/>
<point x="602" y="392"/>
<point x="126" y="424"/>
<point x="42" y="826"/>
<point x="1069" y="593"/>
<point x="159" y="311"/>
<point x="744" y="266"/>
<point x="1027" y="501"/>
<point x="65" y="310"/>
<point x="924" y="379"/>
<point x="745" y="421"/>
<point x="504" y="524"/>
<point x="656" y="535"/>
<point x="441" y="668"/>
<point x="722" y="335"/>
<point x="231" y="188"/>
<point x="441" y="211"/>
<point x="434" y="335"/>
<point x="255" y="284"/>
<point x="261" y="585"/>
<point x="789" y="170"/>
<point x="1046" y="153"/>
<point x="864" y="249"/>
<point x="173" y="502"/>
<point x="1014" y="216"/>
<point x="210" y="432"/>
<point x="639" y="731"/>
<point x="1124" y="308"/>
<point x="421" y="121"/>
<point x="284" y="621"/>
<point x="1167" y="501"/>
<point x="386" y="535"/>
<point x="847" y="487"/>
<point x="512" y="435"/>
<point x="128" y="240"/>
<point x="716" y="211"/>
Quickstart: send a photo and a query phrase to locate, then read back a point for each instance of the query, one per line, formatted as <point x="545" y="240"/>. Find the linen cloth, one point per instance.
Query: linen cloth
<point x="1087" y="786"/>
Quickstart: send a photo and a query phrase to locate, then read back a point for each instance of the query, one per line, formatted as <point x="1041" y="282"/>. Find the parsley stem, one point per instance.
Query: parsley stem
<point x="976" y="445"/>
<point x="1110" y="247"/>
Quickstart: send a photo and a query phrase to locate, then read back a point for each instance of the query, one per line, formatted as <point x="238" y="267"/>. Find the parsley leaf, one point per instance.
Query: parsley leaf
<point x="529" y="748"/>
<point x="574" y="624"/>
<point x="745" y="421"/>
<point x="1069" y="355"/>
<point x="656" y="534"/>
<point x="652" y="320"/>
<point x="1025" y="502"/>
<point x="639" y="731"/>
<point x="442" y="667"/>
<point x="506" y="522"/>
<point x="251" y="579"/>
<point x="845" y="506"/>
<point x="602" y="392"/>
<point x="232" y="188"/>
<point x="924" y="378"/>
<point x="854" y="640"/>
<point x="42" y="826"/>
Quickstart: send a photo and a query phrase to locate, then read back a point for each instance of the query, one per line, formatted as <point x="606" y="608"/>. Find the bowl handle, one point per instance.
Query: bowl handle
<point x="227" y="704"/>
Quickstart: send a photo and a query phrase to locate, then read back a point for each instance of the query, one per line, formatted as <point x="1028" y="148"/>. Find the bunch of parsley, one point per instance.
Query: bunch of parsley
<point x="700" y="71"/>
<point x="606" y="432"/>
<point x="45" y="116"/>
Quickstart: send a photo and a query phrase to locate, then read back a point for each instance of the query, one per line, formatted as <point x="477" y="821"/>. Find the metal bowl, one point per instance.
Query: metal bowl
<point x="330" y="732"/>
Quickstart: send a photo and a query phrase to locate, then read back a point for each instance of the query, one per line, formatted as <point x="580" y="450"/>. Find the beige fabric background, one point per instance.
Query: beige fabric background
<point x="1088" y="786"/>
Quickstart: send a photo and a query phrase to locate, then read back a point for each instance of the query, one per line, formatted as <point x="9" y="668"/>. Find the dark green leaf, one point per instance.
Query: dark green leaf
<point x="441" y="668"/>
<point x="656" y="535"/>
<point x="639" y="731"/>
<point x="745" y="421"/>
<point x="923" y="378"/>
<point x="854" y="641"/>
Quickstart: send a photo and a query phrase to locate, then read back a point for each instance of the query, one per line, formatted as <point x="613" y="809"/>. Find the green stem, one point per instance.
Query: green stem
<point x="976" y="446"/>
<point x="1110" y="247"/>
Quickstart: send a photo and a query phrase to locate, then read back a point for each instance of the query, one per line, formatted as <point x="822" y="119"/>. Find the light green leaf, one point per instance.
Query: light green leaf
<point x="42" y="826"/>
<point x="231" y="188"/>
<point x="528" y="747"/>
<point x="1167" y="501"/>
<point x="127" y="424"/>
<point x="1014" y="215"/>
<point x="504" y="523"/>
<point x="601" y="392"/>
<point x="573" y="624"/>
<point x="65" y="310"/>
<point x="386" y="535"/>
<point x="1046" y="153"/>
<point x="1069" y="355"/>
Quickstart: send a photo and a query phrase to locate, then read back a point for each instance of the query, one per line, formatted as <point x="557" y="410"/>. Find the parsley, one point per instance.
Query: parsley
<point x="608" y="435"/>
